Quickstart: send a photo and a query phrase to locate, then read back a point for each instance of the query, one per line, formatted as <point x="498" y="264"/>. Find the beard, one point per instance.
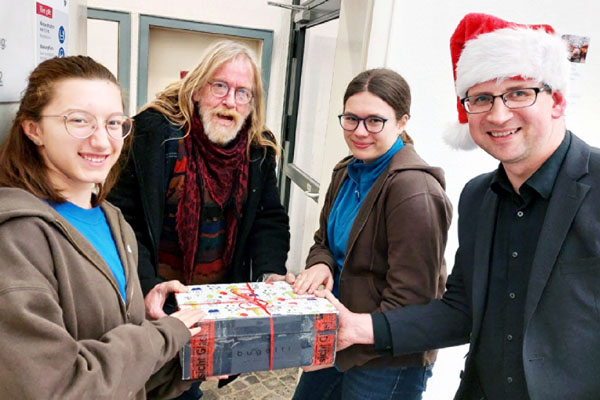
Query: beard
<point x="217" y="133"/>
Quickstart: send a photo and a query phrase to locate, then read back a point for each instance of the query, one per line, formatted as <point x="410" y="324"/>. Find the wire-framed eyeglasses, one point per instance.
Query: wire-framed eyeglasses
<point x="221" y="89"/>
<point x="373" y="124"/>
<point x="515" y="98"/>
<point x="82" y="124"/>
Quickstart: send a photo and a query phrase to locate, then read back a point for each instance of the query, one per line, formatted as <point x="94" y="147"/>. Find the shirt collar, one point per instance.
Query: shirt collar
<point x="542" y="181"/>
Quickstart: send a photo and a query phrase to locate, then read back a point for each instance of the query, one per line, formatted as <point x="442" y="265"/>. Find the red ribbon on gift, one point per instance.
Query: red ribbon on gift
<point x="263" y="305"/>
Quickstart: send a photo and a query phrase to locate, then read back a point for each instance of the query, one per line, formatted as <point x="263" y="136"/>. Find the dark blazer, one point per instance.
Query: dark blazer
<point x="561" y="345"/>
<point x="263" y="238"/>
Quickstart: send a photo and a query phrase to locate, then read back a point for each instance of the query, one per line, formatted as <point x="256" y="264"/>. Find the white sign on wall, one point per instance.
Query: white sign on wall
<point x="30" y="32"/>
<point x="52" y="22"/>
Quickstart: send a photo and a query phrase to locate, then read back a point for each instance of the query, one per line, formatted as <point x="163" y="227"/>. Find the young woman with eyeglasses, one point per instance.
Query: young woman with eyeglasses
<point x="72" y="319"/>
<point x="381" y="240"/>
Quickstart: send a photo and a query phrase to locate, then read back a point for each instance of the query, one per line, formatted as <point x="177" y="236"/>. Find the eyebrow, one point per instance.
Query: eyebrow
<point x="227" y="83"/>
<point x="506" y="90"/>
<point x="70" y="110"/>
<point x="368" y="116"/>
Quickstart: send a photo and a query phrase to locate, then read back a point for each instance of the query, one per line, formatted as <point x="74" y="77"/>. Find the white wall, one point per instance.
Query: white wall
<point x="418" y="48"/>
<point x="243" y="13"/>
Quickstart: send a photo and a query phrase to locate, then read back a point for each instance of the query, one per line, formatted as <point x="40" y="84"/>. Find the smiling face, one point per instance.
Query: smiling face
<point x="222" y="117"/>
<point x="522" y="139"/>
<point x="74" y="165"/>
<point x="368" y="146"/>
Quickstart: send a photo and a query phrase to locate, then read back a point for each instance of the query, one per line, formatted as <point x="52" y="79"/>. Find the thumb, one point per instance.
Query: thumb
<point x="329" y="296"/>
<point x="290" y="278"/>
<point x="154" y="312"/>
<point x="329" y="285"/>
<point x="336" y="303"/>
<point x="175" y="286"/>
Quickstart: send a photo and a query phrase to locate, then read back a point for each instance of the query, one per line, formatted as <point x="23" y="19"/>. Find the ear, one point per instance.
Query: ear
<point x="196" y="95"/>
<point x="32" y="131"/>
<point x="401" y="125"/>
<point x="559" y="104"/>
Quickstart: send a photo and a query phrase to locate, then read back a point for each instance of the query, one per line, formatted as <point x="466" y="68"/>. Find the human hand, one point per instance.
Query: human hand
<point x="311" y="278"/>
<point x="289" y="278"/>
<point x="354" y="328"/>
<point x="311" y="368"/>
<point x="155" y="299"/>
<point x="190" y="317"/>
<point x="217" y="377"/>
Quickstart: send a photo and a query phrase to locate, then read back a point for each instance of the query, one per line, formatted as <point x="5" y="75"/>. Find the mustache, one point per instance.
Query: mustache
<point x="225" y="112"/>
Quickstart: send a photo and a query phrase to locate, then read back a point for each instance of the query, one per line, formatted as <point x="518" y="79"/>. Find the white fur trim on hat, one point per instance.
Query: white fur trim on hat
<point x="504" y="53"/>
<point x="458" y="136"/>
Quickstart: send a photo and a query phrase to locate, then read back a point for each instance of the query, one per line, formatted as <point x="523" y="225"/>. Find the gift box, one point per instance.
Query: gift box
<point x="257" y="326"/>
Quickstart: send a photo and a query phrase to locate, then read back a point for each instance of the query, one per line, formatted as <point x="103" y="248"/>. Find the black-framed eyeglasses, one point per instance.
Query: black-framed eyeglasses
<point x="221" y="89"/>
<point x="372" y="123"/>
<point x="82" y="124"/>
<point x="515" y="98"/>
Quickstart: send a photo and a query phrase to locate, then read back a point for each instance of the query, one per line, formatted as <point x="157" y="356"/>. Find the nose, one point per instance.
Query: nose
<point x="100" y="138"/>
<point x="229" y="99"/>
<point x="361" y="130"/>
<point x="499" y="112"/>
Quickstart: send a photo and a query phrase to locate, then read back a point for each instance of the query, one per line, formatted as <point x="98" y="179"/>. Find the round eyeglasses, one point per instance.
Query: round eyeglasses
<point x="516" y="98"/>
<point x="221" y="89"/>
<point x="82" y="124"/>
<point x="373" y="124"/>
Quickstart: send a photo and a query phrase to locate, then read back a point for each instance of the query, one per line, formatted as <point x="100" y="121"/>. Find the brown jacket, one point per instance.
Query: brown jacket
<point x="65" y="331"/>
<point x="395" y="252"/>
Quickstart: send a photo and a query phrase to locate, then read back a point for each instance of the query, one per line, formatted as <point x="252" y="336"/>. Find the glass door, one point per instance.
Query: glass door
<point x="309" y="86"/>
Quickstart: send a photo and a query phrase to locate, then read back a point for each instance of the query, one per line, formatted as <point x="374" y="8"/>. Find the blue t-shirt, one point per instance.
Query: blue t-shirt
<point x="361" y="177"/>
<point x="92" y="224"/>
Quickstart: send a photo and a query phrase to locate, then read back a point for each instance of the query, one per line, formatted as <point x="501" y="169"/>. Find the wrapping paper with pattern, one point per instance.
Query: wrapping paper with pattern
<point x="255" y="327"/>
<point x="224" y="301"/>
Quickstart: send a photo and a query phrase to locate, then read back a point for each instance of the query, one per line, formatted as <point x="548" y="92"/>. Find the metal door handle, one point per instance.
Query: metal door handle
<point x="312" y="195"/>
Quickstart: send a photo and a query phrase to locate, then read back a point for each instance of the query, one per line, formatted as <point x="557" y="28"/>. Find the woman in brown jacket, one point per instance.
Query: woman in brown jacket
<point x="381" y="240"/>
<point x="72" y="322"/>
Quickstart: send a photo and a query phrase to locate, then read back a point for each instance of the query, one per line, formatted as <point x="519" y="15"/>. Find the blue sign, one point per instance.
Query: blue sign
<point x="61" y="52"/>
<point x="61" y="34"/>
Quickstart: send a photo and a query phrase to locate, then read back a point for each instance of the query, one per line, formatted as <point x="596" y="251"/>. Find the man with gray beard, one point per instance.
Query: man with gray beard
<point x="199" y="188"/>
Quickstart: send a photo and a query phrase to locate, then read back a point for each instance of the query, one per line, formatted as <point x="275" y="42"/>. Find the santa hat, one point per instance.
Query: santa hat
<point x="484" y="47"/>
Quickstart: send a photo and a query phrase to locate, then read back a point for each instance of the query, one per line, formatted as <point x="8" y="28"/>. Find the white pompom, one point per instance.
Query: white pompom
<point x="459" y="137"/>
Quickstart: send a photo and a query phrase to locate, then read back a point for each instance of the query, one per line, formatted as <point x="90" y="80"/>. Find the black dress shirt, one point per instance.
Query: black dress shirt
<point x="519" y="218"/>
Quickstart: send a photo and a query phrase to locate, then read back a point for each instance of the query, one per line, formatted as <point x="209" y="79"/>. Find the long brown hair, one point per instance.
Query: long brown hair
<point x="176" y="103"/>
<point x="389" y="86"/>
<point x="21" y="165"/>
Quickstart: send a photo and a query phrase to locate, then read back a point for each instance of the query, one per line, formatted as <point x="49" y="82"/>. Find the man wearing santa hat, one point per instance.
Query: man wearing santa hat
<point x="525" y="288"/>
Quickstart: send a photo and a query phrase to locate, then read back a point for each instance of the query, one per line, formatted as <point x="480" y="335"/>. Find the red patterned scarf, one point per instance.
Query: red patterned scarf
<point x="224" y="173"/>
